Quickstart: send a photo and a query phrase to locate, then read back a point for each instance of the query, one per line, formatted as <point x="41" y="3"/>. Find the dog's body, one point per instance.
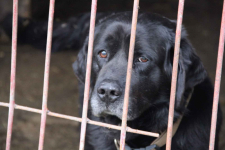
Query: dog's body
<point x="150" y="84"/>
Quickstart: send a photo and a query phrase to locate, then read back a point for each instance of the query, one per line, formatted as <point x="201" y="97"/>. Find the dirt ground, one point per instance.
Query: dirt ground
<point x="61" y="134"/>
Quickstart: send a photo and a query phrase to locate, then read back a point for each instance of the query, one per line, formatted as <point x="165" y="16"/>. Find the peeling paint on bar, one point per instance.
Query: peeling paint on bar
<point x="129" y="71"/>
<point x="174" y="75"/>
<point x="13" y="75"/>
<point x="88" y="74"/>
<point x="46" y="75"/>
<point x="217" y="82"/>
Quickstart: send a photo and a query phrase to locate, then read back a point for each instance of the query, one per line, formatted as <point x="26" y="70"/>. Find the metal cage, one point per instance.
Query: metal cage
<point x="84" y="120"/>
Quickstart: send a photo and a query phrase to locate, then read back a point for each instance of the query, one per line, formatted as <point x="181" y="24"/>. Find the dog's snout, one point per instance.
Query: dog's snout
<point x="109" y="91"/>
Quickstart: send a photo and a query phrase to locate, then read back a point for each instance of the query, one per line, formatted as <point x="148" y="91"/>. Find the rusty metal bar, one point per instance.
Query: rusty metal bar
<point x="13" y="74"/>
<point x="88" y="74"/>
<point x="174" y="75"/>
<point x="217" y="82"/>
<point x="39" y="111"/>
<point x="46" y="75"/>
<point x="129" y="71"/>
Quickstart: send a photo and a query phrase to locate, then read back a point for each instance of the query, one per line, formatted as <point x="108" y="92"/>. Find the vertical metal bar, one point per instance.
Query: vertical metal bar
<point x="174" y="75"/>
<point x="129" y="71"/>
<point x="217" y="82"/>
<point x="46" y="75"/>
<point x="13" y="74"/>
<point x="88" y="74"/>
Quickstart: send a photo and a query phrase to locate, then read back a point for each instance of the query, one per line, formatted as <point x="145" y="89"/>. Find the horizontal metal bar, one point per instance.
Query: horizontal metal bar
<point x="128" y="129"/>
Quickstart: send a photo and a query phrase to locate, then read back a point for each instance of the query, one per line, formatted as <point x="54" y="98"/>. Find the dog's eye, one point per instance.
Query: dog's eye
<point x="102" y="54"/>
<point x="142" y="59"/>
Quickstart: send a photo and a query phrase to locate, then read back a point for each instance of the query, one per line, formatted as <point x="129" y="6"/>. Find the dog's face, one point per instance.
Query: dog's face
<point x="110" y="63"/>
<point x="152" y="65"/>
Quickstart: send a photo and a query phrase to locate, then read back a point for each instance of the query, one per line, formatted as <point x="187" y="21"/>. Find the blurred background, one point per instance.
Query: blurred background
<point x="201" y="19"/>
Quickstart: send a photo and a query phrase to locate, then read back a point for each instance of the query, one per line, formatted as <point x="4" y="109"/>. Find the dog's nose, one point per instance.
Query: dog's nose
<point x="109" y="91"/>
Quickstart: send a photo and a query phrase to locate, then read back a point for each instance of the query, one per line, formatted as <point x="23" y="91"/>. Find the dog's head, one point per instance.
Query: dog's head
<point x="152" y="65"/>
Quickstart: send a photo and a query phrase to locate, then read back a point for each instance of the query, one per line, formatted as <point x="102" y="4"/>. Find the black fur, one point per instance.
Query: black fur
<point x="150" y="84"/>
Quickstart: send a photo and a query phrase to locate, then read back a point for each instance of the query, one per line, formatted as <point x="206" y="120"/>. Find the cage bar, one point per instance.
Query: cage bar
<point x="13" y="74"/>
<point x="84" y="120"/>
<point x="217" y="82"/>
<point x="57" y="115"/>
<point x="88" y="74"/>
<point x="46" y="75"/>
<point x="174" y="74"/>
<point x="129" y="71"/>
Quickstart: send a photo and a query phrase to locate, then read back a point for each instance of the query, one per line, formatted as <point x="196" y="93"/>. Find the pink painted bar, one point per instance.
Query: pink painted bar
<point x="13" y="74"/>
<point x="46" y="75"/>
<point x="129" y="71"/>
<point x="174" y="74"/>
<point x="88" y="74"/>
<point x="217" y="82"/>
<point x="34" y="110"/>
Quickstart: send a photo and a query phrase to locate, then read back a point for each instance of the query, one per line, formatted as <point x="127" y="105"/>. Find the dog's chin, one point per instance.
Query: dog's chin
<point x="110" y="119"/>
<point x="100" y="110"/>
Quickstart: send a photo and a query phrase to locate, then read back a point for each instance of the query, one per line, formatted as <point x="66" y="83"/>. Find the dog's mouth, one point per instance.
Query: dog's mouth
<point x="110" y="119"/>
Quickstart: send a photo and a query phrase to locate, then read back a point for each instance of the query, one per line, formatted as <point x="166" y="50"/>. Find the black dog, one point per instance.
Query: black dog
<point x="150" y="84"/>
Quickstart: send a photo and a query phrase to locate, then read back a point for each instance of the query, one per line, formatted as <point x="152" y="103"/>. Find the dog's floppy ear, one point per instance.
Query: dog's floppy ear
<point x="190" y="68"/>
<point x="79" y="66"/>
